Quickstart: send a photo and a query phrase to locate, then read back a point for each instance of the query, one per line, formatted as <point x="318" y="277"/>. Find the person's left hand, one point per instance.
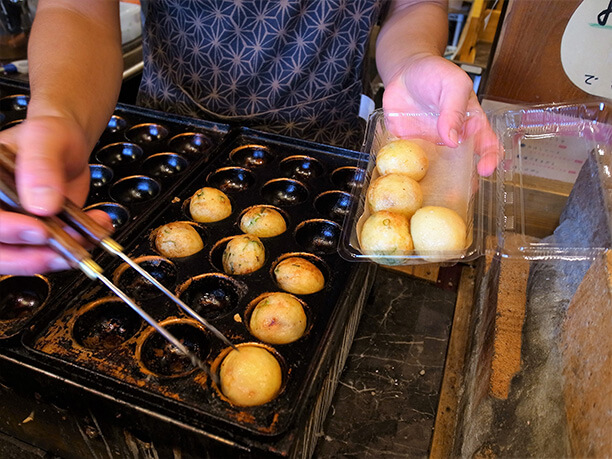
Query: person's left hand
<point x="433" y="84"/>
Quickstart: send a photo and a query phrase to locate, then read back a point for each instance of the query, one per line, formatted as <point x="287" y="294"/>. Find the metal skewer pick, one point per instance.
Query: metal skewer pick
<point x="78" y="256"/>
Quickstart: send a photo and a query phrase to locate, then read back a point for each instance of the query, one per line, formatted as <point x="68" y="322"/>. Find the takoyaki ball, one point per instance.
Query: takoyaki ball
<point x="438" y="232"/>
<point x="209" y="205"/>
<point x="298" y="275"/>
<point x="177" y="240"/>
<point x="403" y="156"/>
<point x="279" y="318"/>
<point x="386" y="237"/>
<point x="250" y="376"/>
<point x="243" y="254"/>
<point x="396" y="193"/>
<point x="263" y="221"/>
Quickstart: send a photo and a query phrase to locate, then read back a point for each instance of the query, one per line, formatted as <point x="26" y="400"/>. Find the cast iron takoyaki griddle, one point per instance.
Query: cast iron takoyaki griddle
<point x="99" y="339"/>
<point x="139" y="158"/>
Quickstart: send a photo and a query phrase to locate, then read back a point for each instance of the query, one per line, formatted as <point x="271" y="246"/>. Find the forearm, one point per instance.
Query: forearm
<point x="412" y="28"/>
<point x="76" y="62"/>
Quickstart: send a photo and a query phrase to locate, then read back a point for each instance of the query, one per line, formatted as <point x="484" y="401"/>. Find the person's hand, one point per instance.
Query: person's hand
<point x="432" y="84"/>
<point x="51" y="163"/>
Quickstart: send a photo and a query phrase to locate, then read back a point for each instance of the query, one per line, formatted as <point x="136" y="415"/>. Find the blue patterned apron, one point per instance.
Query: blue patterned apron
<point x="293" y="67"/>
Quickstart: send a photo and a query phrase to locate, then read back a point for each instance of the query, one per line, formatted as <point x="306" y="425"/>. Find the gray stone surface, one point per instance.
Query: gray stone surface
<point x="386" y="403"/>
<point x="531" y="422"/>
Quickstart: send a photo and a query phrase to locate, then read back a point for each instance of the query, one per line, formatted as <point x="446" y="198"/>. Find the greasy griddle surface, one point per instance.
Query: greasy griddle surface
<point x="193" y="396"/>
<point x="147" y="132"/>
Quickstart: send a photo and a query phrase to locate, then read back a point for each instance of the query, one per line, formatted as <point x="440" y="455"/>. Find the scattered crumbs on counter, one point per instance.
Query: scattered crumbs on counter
<point x="29" y="418"/>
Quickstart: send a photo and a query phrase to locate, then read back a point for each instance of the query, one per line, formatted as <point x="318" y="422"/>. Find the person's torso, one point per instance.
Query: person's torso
<point x="291" y="66"/>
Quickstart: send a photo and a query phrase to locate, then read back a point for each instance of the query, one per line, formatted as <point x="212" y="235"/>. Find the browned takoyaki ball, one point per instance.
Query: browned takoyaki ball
<point x="402" y="156"/>
<point x="298" y="275"/>
<point x="396" y="193"/>
<point x="385" y="236"/>
<point x="278" y="318"/>
<point x="438" y="233"/>
<point x="177" y="239"/>
<point x="209" y="205"/>
<point x="243" y="254"/>
<point x="250" y="376"/>
<point x="263" y="221"/>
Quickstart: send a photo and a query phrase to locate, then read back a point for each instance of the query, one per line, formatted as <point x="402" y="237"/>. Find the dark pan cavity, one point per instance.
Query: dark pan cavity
<point x="119" y="215"/>
<point x="119" y="154"/>
<point x="318" y="236"/>
<point x="348" y="177"/>
<point x="251" y="156"/>
<point x="191" y="144"/>
<point x="101" y="175"/>
<point x="106" y="324"/>
<point x="163" y="359"/>
<point x="230" y="179"/>
<point x="333" y="204"/>
<point x="116" y="124"/>
<point x="135" y="189"/>
<point x="212" y="295"/>
<point x="301" y="168"/>
<point x="284" y="192"/>
<point x="147" y="133"/>
<point x="10" y="124"/>
<point x="22" y="296"/>
<point x="164" y="165"/>
<point x="137" y="286"/>
<point x="14" y="103"/>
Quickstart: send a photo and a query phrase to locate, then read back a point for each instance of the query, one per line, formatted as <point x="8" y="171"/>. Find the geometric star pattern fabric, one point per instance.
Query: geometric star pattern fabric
<point x="293" y="67"/>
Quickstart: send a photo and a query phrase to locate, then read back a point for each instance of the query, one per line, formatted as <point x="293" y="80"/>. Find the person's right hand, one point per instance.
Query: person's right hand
<point x="432" y="84"/>
<point x="51" y="163"/>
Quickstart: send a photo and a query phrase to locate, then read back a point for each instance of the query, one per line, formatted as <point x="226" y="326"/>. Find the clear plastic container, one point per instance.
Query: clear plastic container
<point x="541" y="149"/>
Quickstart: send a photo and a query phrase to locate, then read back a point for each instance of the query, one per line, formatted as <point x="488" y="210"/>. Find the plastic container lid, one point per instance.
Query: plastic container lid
<point x="542" y="151"/>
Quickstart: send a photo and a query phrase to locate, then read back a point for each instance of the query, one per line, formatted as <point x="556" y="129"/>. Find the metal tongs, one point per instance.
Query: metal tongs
<point x="78" y="257"/>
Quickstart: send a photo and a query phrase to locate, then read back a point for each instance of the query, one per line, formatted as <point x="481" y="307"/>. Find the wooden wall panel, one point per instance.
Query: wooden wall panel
<point x="526" y="66"/>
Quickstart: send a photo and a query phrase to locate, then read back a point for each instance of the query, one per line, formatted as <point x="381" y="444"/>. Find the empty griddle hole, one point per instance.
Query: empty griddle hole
<point x="251" y="156"/>
<point x="162" y="358"/>
<point x="119" y="215"/>
<point x="106" y="324"/>
<point x="230" y="179"/>
<point x="192" y="144"/>
<point x="212" y="295"/>
<point x="119" y="154"/>
<point x="137" y="286"/>
<point x="115" y="124"/>
<point x="318" y="235"/>
<point x="164" y="165"/>
<point x="333" y="204"/>
<point x="135" y="189"/>
<point x="301" y="167"/>
<point x="11" y="124"/>
<point x="284" y="192"/>
<point x="348" y="177"/>
<point x="146" y="133"/>
<point x="14" y="103"/>
<point x="22" y="296"/>
<point x="100" y="175"/>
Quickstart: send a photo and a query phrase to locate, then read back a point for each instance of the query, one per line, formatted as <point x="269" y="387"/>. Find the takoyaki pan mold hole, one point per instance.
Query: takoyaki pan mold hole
<point x="318" y="235"/>
<point x="105" y="324"/>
